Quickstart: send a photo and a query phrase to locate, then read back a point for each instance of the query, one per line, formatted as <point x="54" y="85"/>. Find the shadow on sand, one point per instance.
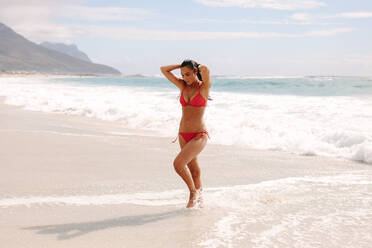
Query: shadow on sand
<point x="71" y="230"/>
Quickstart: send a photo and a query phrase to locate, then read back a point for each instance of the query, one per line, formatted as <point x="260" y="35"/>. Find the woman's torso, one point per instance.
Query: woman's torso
<point x="192" y="117"/>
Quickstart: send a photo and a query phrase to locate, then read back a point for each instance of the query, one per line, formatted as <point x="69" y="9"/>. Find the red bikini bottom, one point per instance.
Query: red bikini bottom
<point x="189" y="136"/>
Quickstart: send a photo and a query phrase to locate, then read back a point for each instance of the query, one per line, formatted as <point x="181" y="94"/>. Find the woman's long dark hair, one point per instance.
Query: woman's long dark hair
<point x="192" y="65"/>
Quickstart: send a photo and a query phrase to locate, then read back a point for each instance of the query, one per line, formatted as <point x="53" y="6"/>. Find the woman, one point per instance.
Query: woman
<point x="194" y="87"/>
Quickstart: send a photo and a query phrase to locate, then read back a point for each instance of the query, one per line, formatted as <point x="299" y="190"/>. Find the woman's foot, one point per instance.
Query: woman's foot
<point x="196" y="198"/>
<point x="192" y="199"/>
<point x="199" y="199"/>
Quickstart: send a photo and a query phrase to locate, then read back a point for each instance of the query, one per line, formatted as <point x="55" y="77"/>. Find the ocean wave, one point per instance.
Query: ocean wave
<point x="139" y="75"/>
<point x="337" y="126"/>
<point x="255" y="77"/>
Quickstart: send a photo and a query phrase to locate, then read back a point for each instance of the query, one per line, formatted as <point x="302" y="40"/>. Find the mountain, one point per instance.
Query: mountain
<point x="20" y="54"/>
<point x="71" y="50"/>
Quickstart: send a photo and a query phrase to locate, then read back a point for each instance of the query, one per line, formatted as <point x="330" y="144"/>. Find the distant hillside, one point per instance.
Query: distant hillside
<point x="20" y="54"/>
<point x="71" y="50"/>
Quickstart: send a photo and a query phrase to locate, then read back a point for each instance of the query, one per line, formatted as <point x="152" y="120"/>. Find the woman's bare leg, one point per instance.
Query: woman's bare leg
<point x="195" y="173"/>
<point x="194" y="168"/>
<point x="188" y="152"/>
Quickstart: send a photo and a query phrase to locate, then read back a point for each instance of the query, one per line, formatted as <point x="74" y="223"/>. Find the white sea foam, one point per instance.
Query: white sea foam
<point x="291" y="212"/>
<point x="264" y="192"/>
<point x="142" y="75"/>
<point x="256" y="77"/>
<point x="338" y="125"/>
<point x="145" y="198"/>
<point x="295" y="212"/>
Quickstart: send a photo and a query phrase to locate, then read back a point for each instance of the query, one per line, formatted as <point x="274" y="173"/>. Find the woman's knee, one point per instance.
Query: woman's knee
<point x="194" y="168"/>
<point x="195" y="172"/>
<point x="178" y="164"/>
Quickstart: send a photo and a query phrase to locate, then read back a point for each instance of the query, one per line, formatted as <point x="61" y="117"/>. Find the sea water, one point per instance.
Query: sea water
<point x="329" y="116"/>
<point x="311" y="115"/>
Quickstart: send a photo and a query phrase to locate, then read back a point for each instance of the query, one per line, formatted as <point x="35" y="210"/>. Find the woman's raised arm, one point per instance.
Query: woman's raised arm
<point x="204" y="71"/>
<point x="166" y="70"/>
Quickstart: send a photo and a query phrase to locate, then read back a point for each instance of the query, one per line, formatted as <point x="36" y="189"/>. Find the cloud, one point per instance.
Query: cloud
<point x="331" y="32"/>
<point x="5" y="3"/>
<point x="345" y="15"/>
<point x="351" y="15"/>
<point x="38" y="22"/>
<point x="231" y="21"/>
<point x="132" y="33"/>
<point x="47" y="12"/>
<point x="300" y="19"/>
<point x="102" y="13"/>
<point x="268" y="4"/>
<point x="301" y="16"/>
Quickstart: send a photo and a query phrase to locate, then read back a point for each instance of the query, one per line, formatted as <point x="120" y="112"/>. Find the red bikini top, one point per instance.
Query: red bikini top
<point x="198" y="101"/>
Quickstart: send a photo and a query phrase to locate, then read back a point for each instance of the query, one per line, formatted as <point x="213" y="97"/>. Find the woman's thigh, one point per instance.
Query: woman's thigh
<point x="191" y="149"/>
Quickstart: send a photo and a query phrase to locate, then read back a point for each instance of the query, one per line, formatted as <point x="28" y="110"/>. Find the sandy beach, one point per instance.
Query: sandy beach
<point x="92" y="94"/>
<point x="72" y="181"/>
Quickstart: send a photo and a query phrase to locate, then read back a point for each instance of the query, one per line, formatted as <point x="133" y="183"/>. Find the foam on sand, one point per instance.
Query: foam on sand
<point x="289" y="212"/>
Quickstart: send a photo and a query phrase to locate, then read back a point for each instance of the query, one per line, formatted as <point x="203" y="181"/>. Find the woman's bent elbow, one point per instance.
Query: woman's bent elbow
<point x="203" y="68"/>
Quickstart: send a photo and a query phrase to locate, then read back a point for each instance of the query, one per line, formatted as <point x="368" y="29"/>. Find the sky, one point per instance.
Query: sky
<point x="231" y="37"/>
